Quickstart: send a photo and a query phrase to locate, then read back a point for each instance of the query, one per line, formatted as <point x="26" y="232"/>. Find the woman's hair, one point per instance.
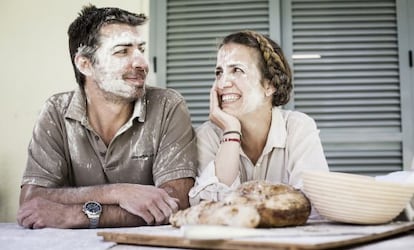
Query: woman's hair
<point x="84" y="34"/>
<point x="272" y="63"/>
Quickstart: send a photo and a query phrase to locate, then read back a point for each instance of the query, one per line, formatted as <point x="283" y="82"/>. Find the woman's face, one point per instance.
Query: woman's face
<point x="238" y="81"/>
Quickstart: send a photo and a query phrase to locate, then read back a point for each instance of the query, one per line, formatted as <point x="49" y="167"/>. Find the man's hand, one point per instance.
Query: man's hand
<point x="152" y="204"/>
<point x="39" y="213"/>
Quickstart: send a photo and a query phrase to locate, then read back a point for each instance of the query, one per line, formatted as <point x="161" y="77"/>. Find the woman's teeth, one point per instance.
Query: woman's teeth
<point x="229" y="98"/>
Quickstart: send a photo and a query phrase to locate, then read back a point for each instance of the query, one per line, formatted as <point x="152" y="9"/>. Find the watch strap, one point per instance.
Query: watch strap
<point x="93" y="221"/>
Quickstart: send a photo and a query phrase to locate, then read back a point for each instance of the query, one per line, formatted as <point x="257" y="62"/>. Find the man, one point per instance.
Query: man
<point x="114" y="152"/>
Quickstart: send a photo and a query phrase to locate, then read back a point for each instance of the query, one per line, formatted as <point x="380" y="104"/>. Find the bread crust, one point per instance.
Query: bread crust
<point x="253" y="204"/>
<point x="279" y="205"/>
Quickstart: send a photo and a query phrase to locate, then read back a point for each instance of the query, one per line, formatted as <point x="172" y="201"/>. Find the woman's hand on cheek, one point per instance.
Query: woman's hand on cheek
<point x="218" y="116"/>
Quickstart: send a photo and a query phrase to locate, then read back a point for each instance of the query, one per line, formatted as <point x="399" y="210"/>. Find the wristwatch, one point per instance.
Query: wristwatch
<point x="93" y="210"/>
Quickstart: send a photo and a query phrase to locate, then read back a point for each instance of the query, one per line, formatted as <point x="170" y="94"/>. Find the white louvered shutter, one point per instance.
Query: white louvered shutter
<point x="194" y="29"/>
<point x="353" y="90"/>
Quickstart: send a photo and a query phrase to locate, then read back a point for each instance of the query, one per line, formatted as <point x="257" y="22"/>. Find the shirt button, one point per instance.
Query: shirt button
<point x="96" y="137"/>
<point x="103" y="154"/>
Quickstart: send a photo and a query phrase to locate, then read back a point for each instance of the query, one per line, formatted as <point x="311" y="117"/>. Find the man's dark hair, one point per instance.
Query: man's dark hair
<point x="84" y="31"/>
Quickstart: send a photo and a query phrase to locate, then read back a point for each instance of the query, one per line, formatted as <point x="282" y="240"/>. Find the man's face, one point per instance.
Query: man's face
<point x="120" y="68"/>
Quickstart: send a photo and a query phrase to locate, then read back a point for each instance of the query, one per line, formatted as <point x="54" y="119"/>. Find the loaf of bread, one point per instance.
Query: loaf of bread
<point x="253" y="204"/>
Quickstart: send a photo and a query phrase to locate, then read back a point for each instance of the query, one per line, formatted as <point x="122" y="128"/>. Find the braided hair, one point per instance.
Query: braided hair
<point x="272" y="62"/>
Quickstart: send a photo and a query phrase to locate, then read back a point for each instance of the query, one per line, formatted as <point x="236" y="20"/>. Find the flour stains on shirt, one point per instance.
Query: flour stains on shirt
<point x="65" y="151"/>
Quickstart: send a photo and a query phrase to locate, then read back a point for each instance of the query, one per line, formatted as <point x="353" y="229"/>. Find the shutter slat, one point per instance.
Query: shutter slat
<point x="336" y="88"/>
<point x="329" y="110"/>
<point x="185" y="3"/>
<point x="186" y="57"/>
<point x="215" y="14"/>
<point x="352" y="91"/>
<point x="344" y="32"/>
<point x="218" y="8"/>
<point x="343" y="19"/>
<point x="198" y="29"/>
<point x="221" y="32"/>
<point x="215" y="21"/>
<point x="347" y="25"/>
<point x="356" y="117"/>
<point x="330" y="103"/>
<point x="350" y="12"/>
<point x="352" y="60"/>
<point x="349" y="95"/>
<point x="338" y="74"/>
<point x="347" y="67"/>
<point x="342" y="5"/>
<point x="348" y="81"/>
<point x="385" y="38"/>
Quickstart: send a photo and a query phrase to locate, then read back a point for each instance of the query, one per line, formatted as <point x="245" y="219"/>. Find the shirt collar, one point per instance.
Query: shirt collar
<point x="277" y="133"/>
<point x="77" y="108"/>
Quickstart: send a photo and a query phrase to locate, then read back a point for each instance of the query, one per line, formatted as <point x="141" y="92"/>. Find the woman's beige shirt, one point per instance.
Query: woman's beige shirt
<point x="293" y="145"/>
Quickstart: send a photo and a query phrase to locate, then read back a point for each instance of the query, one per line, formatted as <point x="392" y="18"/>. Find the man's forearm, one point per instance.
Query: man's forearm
<point x="105" y="194"/>
<point x="115" y="216"/>
<point x="39" y="213"/>
<point x="179" y="189"/>
<point x="123" y="204"/>
<point x="111" y="216"/>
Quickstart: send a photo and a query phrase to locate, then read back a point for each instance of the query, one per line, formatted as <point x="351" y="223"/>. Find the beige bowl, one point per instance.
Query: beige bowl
<point x="357" y="199"/>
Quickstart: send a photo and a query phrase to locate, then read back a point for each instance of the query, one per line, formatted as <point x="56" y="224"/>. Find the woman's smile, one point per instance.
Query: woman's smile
<point x="229" y="98"/>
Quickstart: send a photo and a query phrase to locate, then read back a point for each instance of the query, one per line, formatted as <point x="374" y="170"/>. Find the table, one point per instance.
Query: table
<point x="13" y="236"/>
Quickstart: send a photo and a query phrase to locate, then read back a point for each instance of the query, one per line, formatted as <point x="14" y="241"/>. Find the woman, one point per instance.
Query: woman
<point x="248" y="137"/>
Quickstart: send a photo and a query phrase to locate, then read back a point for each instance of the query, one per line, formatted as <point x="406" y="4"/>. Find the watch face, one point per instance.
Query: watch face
<point x="93" y="207"/>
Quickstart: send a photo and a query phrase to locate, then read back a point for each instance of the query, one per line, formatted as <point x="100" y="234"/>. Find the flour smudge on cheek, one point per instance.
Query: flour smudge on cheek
<point x="254" y="96"/>
<point x="238" y="68"/>
<point x="109" y="69"/>
<point x="108" y="72"/>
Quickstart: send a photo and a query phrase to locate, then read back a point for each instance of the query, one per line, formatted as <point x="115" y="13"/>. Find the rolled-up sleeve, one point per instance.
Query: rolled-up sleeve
<point x="208" y="187"/>
<point x="176" y="157"/>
